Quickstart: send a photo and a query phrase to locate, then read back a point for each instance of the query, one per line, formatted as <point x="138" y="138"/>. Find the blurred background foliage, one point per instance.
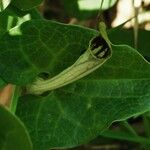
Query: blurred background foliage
<point x="84" y="12"/>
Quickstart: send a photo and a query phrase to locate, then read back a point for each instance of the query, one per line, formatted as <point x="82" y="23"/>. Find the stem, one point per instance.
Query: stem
<point x="125" y="136"/>
<point x="14" y="99"/>
<point x="137" y="4"/>
<point x="128" y="127"/>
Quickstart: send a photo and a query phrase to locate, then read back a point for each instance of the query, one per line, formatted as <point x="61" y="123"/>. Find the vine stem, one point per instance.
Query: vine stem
<point x="128" y="127"/>
<point x="14" y="99"/>
<point x="137" y="4"/>
<point x="125" y="136"/>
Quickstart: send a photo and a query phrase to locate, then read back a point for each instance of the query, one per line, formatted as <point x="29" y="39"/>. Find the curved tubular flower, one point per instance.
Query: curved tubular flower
<point x="98" y="52"/>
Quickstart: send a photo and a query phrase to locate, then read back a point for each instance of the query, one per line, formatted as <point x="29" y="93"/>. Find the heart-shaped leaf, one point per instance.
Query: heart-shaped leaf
<point x="77" y="113"/>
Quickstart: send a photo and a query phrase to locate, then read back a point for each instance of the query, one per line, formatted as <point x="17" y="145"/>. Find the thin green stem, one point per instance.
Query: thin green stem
<point x="128" y="127"/>
<point x="125" y="136"/>
<point x="14" y="99"/>
<point x="99" y="15"/>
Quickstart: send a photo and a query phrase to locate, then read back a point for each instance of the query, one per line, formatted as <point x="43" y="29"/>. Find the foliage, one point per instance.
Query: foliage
<point x="13" y="133"/>
<point x="31" y="47"/>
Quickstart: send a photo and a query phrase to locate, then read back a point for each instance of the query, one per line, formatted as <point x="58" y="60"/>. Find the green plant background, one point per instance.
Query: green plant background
<point x="79" y="112"/>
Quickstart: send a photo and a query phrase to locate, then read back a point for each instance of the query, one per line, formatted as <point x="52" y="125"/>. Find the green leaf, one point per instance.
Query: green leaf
<point x="13" y="134"/>
<point x="27" y="4"/>
<point x="4" y="4"/>
<point x="84" y="9"/>
<point x="77" y="113"/>
<point x="122" y="36"/>
<point x="40" y="46"/>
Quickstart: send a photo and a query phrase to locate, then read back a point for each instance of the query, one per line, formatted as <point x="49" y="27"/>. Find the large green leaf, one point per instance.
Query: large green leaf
<point x="13" y="135"/>
<point x="83" y="9"/>
<point x="40" y="46"/>
<point x="77" y="113"/>
<point x="26" y="4"/>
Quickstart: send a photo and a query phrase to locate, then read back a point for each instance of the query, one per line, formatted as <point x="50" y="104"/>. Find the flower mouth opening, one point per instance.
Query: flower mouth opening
<point x="99" y="47"/>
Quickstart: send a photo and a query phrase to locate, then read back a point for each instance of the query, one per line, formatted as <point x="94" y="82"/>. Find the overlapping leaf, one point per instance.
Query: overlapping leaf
<point x="13" y="134"/>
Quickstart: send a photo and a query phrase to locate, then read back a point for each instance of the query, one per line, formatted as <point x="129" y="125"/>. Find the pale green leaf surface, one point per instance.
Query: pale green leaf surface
<point x="12" y="17"/>
<point x="13" y="135"/>
<point x="77" y="113"/>
<point x="4" y="4"/>
<point x="122" y="135"/>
